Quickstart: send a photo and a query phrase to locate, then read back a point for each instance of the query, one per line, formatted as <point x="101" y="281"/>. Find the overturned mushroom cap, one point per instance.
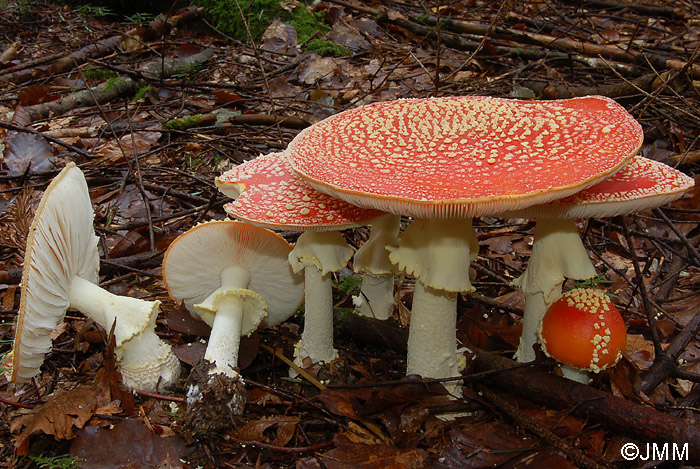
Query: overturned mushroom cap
<point x="61" y="245"/>
<point x="267" y="193"/>
<point x="195" y="261"/>
<point x="458" y="157"/>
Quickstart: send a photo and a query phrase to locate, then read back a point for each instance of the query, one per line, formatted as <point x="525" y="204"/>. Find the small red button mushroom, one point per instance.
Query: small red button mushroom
<point x="584" y="330"/>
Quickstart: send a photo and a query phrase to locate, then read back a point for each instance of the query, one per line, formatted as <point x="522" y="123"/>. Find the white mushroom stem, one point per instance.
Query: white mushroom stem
<point x="317" y="338"/>
<point x="227" y="303"/>
<point x="319" y="254"/>
<point x="132" y="315"/>
<point x="376" y="298"/>
<point x="145" y="361"/>
<point x="432" y="344"/>
<point x="557" y="254"/>
<point x="438" y="253"/>
<point x="225" y="337"/>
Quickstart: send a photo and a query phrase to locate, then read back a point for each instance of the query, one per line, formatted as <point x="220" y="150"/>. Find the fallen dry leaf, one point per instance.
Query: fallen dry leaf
<point x="254" y="430"/>
<point x="106" y="448"/>
<point x="56" y="417"/>
<point x="350" y="454"/>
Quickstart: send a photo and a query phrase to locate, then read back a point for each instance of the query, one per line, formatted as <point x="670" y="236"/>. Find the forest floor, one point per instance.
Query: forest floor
<point x="153" y="108"/>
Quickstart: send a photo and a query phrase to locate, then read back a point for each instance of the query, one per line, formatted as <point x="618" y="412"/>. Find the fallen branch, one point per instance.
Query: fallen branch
<point x="156" y="29"/>
<point x="634" y="420"/>
<point x="119" y="87"/>
<point x="571" y="453"/>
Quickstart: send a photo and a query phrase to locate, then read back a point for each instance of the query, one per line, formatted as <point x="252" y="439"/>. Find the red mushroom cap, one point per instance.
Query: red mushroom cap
<point x="465" y="156"/>
<point x="270" y="195"/>
<point x="583" y="328"/>
<point x="640" y="185"/>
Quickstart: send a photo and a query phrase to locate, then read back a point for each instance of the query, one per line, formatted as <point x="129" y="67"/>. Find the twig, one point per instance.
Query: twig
<point x="73" y="148"/>
<point x="572" y="453"/>
<point x="16" y="404"/>
<point x="279" y="449"/>
<point x="648" y="309"/>
<point x="686" y="242"/>
<point x="161" y="397"/>
<point x="278" y="353"/>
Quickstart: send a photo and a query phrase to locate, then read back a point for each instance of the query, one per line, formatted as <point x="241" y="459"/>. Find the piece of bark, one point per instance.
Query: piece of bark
<point x="665" y="364"/>
<point x="640" y="422"/>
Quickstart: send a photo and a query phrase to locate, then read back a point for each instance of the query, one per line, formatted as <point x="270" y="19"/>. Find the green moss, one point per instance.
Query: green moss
<point x="92" y="73"/>
<point x="184" y="123"/>
<point x="141" y="93"/>
<point x="327" y="48"/>
<point x="259" y="14"/>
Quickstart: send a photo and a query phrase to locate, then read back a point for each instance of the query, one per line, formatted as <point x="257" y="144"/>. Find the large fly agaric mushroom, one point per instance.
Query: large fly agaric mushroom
<point x="234" y="276"/>
<point x="445" y="160"/>
<point x="584" y="331"/>
<point x="268" y="194"/>
<point x="557" y="250"/>
<point x="61" y="268"/>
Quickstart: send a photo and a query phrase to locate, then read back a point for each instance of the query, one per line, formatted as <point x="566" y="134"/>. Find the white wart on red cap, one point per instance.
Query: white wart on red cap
<point x="61" y="271"/>
<point x="558" y="252"/>
<point x="465" y="156"/>
<point x="267" y="193"/>
<point x="640" y="185"/>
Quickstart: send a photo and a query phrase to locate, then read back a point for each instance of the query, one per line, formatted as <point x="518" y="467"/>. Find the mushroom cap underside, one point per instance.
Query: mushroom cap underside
<point x="61" y="245"/>
<point x="194" y="262"/>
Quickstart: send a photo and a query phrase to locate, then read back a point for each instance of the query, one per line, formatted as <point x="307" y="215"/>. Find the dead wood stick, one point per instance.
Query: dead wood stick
<point x="57" y="141"/>
<point x="123" y="86"/>
<point x="66" y="63"/>
<point x="620" y="415"/>
<point x="568" y="45"/>
<point x="665" y="365"/>
<point x="571" y="453"/>
<point x="611" y="90"/>
<point x="644" y="9"/>
<point x="157" y="28"/>
<point x="33" y="63"/>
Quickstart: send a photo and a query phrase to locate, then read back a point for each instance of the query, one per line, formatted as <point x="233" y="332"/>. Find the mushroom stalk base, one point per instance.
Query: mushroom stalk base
<point x="376" y="298"/>
<point x="148" y="363"/>
<point x="535" y="307"/>
<point x="317" y="339"/>
<point x="432" y="346"/>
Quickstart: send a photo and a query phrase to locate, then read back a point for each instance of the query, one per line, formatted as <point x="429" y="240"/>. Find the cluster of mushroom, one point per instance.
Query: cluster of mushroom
<point x="443" y="161"/>
<point x="438" y="161"/>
